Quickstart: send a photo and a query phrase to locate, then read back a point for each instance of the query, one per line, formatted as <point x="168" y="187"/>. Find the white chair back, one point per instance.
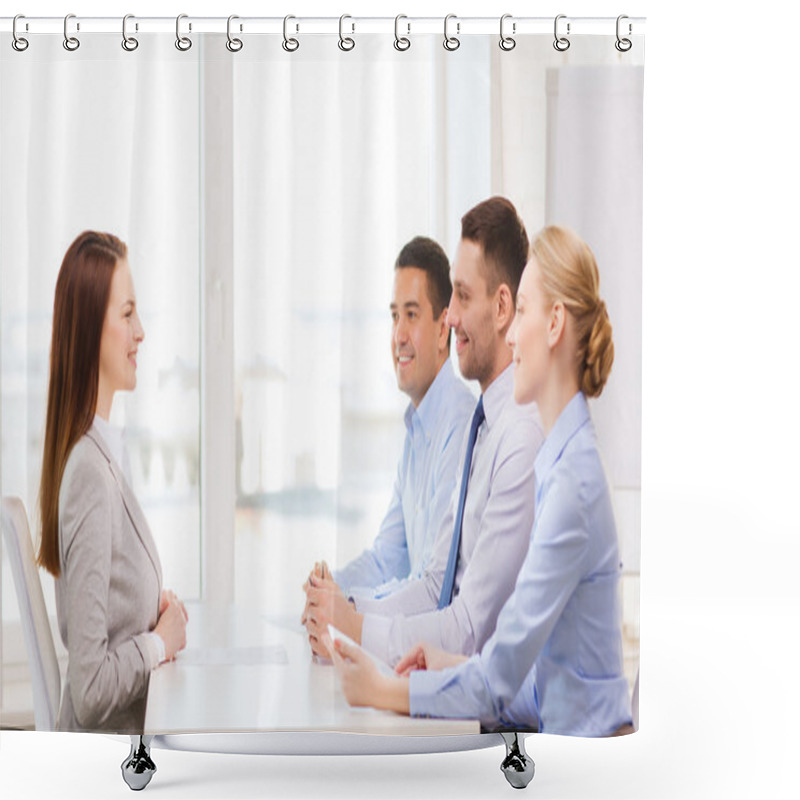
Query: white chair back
<point x="45" y="674"/>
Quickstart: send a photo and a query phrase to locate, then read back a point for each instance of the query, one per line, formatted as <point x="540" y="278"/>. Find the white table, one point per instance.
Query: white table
<point x="187" y="696"/>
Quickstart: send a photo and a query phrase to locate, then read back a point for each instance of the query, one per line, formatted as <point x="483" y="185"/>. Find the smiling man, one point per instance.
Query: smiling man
<point x="483" y="539"/>
<point x="435" y="420"/>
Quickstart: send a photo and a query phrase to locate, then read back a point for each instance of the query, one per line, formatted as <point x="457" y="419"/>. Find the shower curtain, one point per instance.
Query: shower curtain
<point x="264" y="194"/>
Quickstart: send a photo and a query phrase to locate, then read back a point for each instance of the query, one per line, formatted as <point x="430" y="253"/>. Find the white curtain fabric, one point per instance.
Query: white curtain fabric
<point x="331" y="161"/>
<point x="104" y="140"/>
<point x="339" y="159"/>
<point x="594" y="185"/>
<point x="567" y="146"/>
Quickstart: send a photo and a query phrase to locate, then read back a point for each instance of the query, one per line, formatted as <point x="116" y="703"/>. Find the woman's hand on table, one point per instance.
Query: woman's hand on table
<point x="362" y="683"/>
<point x="426" y="656"/>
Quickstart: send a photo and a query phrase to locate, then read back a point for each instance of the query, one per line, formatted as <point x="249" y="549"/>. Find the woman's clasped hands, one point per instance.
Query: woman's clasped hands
<point x="171" y="626"/>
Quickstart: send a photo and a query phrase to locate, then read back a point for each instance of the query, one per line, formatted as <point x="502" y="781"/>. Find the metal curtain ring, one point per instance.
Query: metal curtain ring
<point x="183" y="43"/>
<point x="451" y="42"/>
<point x="401" y="43"/>
<point x="289" y="44"/>
<point x="507" y="42"/>
<point x="128" y="42"/>
<point x="71" y="43"/>
<point x="19" y="43"/>
<point x="233" y="44"/>
<point x="561" y="43"/>
<point x="623" y="45"/>
<point x="345" y="42"/>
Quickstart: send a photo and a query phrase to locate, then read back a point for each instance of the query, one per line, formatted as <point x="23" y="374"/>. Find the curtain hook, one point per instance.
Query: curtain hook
<point x="561" y="43"/>
<point x="623" y="45"/>
<point x="129" y="43"/>
<point x="233" y="44"/>
<point x="507" y="42"/>
<point x="183" y="43"/>
<point x="71" y="43"/>
<point x="451" y="42"/>
<point x="345" y="42"/>
<point x="19" y="43"/>
<point x="401" y="43"/>
<point x="290" y="44"/>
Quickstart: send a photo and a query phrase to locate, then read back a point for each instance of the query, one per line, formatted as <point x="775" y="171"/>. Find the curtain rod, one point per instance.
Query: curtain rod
<point x="460" y="26"/>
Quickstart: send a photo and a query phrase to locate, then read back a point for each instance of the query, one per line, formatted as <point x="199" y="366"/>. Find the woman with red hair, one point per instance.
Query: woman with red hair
<point x="116" y="622"/>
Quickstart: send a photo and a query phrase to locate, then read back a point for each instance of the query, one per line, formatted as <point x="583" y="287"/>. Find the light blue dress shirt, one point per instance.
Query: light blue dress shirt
<point x="498" y="514"/>
<point x="555" y="657"/>
<point x="426" y="478"/>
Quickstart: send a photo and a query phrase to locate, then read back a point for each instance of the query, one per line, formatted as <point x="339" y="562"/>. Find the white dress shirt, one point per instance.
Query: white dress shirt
<point x="498" y="515"/>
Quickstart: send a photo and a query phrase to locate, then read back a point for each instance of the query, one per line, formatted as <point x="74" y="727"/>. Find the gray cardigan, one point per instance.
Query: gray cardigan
<point x="107" y="595"/>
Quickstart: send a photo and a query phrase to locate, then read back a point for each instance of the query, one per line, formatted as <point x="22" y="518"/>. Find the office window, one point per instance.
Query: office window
<point x="125" y="160"/>
<point x="330" y="178"/>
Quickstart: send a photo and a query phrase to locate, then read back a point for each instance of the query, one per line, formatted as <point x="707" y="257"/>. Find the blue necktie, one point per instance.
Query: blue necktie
<point x="446" y="596"/>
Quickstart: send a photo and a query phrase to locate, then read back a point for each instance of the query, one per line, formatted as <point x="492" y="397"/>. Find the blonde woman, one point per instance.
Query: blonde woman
<point x="115" y="621"/>
<point x="554" y="661"/>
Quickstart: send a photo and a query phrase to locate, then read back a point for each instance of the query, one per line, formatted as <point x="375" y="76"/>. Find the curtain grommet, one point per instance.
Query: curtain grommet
<point x="401" y="43"/>
<point x="346" y="43"/>
<point x="561" y="43"/>
<point x="507" y="43"/>
<point x="451" y="43"/>
<point x="233" y="44"/>
<point x="129" y="43"/>
<point x="289" y="44"/>
<point x="19" y="43"/>
<point x="70" y="43"/>
<point x="182" y="43"/>
<point x="623" y="44"/>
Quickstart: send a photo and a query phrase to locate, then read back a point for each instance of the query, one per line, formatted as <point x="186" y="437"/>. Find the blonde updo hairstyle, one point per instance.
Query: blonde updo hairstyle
<point x="569" y="274"/>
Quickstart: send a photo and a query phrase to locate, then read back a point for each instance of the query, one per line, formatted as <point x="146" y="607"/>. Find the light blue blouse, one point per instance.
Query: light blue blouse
<point x="423" y="489"/>
<point x="555" y="658"/>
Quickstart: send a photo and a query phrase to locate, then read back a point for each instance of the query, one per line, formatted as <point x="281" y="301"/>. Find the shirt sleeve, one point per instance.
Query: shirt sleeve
<point x="442" y="497"/>
<point x="420" y="594"/>
<point x="388" y="556"/>
<point x="484" y="687"/>
<point x="101" y="680"/>
<point x="488" y="578"/>
<point x="156" y="650"/>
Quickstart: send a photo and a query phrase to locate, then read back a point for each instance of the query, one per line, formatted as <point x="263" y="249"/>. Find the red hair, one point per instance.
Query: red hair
<point x="82" y="291"/>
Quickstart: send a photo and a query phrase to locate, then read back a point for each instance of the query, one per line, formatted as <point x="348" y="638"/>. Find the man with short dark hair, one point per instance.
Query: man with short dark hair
<point x="483" y="540"/>
<point x="435" y="420"/>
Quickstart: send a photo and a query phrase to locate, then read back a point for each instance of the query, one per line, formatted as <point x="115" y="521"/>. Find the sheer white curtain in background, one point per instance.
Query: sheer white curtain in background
<point x="107" y="140"/>
<point x="339" y="159"/>
<point x="567" y="147"/>
<point x="264" y="196"/>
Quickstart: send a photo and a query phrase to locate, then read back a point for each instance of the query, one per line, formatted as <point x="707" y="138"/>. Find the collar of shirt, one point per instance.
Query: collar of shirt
<point x="433" y="403"/>
<point x="498" y="395"/>
<point x="572" y="418"/>
<point x="114" y="437"/>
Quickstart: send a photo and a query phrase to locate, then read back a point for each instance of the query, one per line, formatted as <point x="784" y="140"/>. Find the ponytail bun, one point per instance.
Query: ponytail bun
<point x="569" y="274"/>
<point x="599" y="355"/>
